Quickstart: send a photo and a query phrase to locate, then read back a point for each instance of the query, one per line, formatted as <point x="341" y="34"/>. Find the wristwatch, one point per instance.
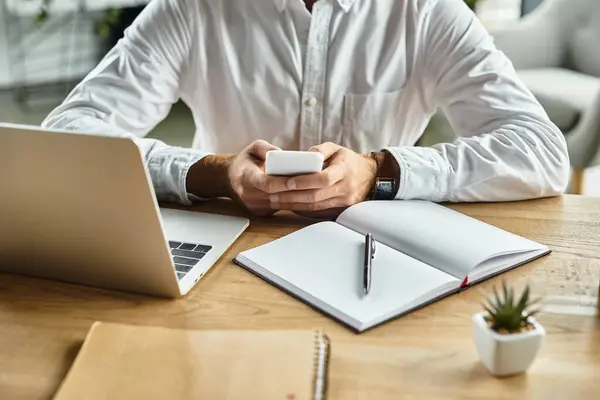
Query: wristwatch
<point x="386" y="181"/>
<point x="385" y="189"/>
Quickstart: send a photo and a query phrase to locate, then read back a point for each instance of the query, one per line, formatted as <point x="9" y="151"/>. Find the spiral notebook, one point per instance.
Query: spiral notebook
<point x="120" y="361"/>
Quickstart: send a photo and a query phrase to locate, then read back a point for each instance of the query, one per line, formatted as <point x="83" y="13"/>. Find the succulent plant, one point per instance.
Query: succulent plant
<point x="506" y="314"/>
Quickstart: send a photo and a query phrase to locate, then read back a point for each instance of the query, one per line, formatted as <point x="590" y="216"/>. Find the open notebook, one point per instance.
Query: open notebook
<point x="120" y="361"/>
<point x="424" y="252"/>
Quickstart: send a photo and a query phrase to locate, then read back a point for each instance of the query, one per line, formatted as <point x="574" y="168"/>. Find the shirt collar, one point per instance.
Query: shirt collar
<point x="345" y="4"/>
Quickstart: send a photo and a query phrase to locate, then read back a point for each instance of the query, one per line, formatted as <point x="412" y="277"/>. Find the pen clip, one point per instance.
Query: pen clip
<point x="373" y="247"/>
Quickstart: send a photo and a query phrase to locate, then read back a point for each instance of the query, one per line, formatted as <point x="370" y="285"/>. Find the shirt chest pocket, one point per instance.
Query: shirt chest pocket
<point x="371" y="121"/>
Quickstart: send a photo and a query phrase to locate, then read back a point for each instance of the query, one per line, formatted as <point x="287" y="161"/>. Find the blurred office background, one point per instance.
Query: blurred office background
<point x="47" y="46"/>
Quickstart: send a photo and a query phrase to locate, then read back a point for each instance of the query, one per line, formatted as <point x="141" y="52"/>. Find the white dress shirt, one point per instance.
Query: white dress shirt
<point x="365" y="74"/>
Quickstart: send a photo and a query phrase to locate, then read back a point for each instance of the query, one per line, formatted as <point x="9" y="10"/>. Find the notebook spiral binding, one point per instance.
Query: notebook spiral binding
<point x="321" y="364"/>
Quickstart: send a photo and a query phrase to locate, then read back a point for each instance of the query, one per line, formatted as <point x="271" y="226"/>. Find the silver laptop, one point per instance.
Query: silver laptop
<point x="81" y="208"/>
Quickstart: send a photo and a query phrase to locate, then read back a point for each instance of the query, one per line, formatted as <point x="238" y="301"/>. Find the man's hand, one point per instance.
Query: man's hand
<point x="346" y="180"/>
<point x="249" y="183"/>
<point x="240" y="177"/>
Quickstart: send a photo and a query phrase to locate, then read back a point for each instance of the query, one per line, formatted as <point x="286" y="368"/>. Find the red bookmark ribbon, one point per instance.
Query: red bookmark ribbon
<point x="465" y="283"/>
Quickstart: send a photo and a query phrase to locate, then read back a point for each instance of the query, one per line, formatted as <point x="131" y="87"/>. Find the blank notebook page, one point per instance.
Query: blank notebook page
<point x="323" y="264"/>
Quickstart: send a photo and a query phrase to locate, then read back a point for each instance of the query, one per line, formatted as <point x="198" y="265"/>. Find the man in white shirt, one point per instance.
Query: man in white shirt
<point x="355" y="79"/>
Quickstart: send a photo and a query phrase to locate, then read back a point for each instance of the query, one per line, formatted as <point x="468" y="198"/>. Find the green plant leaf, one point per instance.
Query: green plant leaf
<point x="524" y="301"/>
<point x="471" y="3"/>
<point x="103" y="31"/>
<point x="535" y="301"/>
<point x="505" y="290"/>
<point x="41" y="16"/>
<point x="110" y="18"/>
<point x="491" y="303"/>
<point x="490" y="312"/>
<point x="533" y="312"/>
<point x="496" y="295"/>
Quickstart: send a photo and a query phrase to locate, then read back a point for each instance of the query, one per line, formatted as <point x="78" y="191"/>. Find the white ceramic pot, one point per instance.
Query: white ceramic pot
<point x="506" y="354"/>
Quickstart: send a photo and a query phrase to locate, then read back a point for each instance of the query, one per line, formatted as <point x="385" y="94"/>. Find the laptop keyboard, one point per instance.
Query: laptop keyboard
<point x="186" y="256"/>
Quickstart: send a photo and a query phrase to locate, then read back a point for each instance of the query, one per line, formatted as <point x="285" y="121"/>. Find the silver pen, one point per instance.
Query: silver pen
<point x="368" y="262"/>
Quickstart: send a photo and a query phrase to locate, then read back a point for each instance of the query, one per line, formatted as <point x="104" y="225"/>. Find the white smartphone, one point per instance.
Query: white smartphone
<point x="289" y="163"/>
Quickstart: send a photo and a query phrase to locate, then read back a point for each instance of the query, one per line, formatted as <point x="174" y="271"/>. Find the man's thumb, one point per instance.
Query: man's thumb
<point x="327" y="149"/>
<point x="260" y="147"/>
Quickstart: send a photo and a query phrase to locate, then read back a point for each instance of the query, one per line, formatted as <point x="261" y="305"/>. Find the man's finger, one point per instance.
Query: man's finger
<point x="256" y="177"/>
<point x="328" y="177"/>
<point x="327" y="149"/>
<point x="259" y="149"/>
<point x="266" y="183"/>
<point x="306" y="196"/>
<point x="311" y="207"/>
<point x="254" y="194"/>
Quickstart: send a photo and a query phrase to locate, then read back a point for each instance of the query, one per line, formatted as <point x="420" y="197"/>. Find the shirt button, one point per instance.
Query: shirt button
<point x="311" y="101"/>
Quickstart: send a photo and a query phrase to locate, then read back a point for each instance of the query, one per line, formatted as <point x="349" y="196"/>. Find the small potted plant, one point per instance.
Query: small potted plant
<point x="506" y="335"/>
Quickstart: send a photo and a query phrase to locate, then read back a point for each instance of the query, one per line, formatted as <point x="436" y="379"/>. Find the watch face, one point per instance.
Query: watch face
<point x="385" y="190"/>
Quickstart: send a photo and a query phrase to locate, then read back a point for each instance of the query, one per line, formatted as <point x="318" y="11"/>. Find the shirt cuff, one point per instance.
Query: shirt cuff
<point x="423" y="173"/>
<point x="168" y="169"/>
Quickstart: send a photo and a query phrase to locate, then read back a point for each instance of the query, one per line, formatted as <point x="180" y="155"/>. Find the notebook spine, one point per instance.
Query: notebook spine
<point x="321" y="365"/>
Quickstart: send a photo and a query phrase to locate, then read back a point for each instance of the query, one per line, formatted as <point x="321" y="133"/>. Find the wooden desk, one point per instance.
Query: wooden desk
<point x="427" y="354"/>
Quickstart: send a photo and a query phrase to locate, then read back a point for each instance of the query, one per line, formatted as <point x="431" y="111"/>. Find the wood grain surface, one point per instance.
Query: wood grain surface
<point x="428" y="354"/>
